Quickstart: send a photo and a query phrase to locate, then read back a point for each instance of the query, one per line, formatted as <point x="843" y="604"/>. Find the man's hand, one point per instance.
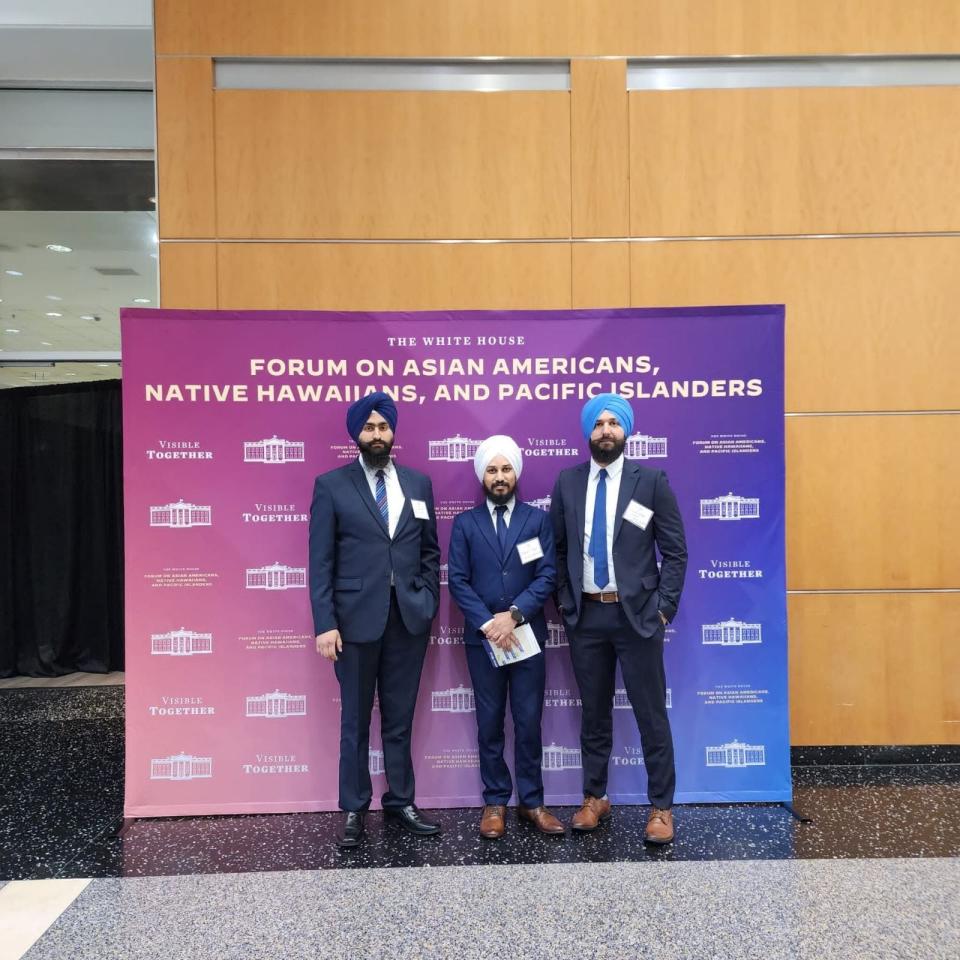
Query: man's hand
<point x="500" y="631"/>
<point x="663" y="619"/>
<point x="329" y="644"/>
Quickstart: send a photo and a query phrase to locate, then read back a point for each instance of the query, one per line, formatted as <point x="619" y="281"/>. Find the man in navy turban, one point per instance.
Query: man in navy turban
<point x="610" y="518"/>
<point x="374" y="591"/>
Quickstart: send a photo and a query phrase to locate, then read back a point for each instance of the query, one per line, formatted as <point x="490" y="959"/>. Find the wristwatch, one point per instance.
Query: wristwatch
<point x="516" y="614"/>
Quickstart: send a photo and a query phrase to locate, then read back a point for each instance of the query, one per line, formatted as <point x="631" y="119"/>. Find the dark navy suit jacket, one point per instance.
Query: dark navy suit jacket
<point x="482" y="582"/>
<point x="352" y="556"/>
<point x="643" y="590"/>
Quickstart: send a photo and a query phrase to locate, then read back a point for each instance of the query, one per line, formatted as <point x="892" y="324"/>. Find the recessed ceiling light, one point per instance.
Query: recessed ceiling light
<point x="11" y="330"/>
<point x="13" y="273"/>
<point x="152" y="199"/>
<point x="140" y="300"/>
<point x="53" y="296"/>
<point x="53" y="313"/>
<point x="45" y="343"/>
<point x="69" y="374"/>
<point x="87" y="316"/>
<point x="103" y="364"/>
<point x="59" y="248"/>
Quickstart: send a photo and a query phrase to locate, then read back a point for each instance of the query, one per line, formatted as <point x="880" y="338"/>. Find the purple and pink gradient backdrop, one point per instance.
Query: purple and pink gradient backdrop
<point x="722" y="695"/>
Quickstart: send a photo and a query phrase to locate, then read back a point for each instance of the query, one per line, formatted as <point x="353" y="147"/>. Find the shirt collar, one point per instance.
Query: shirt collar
<point x="613" y="469"/>
<point x="372" y="471"/>
<point x="491" y="506"/>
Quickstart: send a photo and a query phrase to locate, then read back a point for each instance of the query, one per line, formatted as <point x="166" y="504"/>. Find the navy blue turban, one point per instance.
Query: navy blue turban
<point x="359" y="413"/>
<point x="606" y="401"/>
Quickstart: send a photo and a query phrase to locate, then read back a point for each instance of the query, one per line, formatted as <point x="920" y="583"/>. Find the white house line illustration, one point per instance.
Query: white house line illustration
<point x="542" y="503"/>
<point x="180" y="643"/>
<point x="556" y="635"/>
<point x="730" y="507"/>
<point x="561" y="758"/>
<point x="455" y="700"/>
<point x="180" y="515"/>
<point x="273" y="450"/>
<point x="731" y="633"/>
<point x="455" y="449"/>
<point x="181" y="766"/>
<point x="444" y="574"/>
<point x="277" y="704"/>
<point x="376" y="762"/>
<point x="639" y="446"/>
<point x="277" y="576"/>
<point x="736" y="754"/>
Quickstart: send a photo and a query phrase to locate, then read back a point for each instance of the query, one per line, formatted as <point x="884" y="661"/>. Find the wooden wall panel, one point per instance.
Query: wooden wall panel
<point x="188" y="275"/>
<point x="871" y="322"/>
<point x="871" y="502"/>
<point x="874" y="668"/>
<point x="399" y="276"/>
<point x="554" y="28"/>
<point x="185" y="162"/>
<point x="599" y="147"/>
<point x="601" y="275"/>
<point x="294" y="164"/>
<point x="793" y="161"/>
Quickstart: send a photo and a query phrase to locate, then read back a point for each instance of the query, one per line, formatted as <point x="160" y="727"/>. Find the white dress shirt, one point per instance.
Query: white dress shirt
<point x="492" y="507"/>
<point x="395" y="496"/>
<point x="614" y="474"/>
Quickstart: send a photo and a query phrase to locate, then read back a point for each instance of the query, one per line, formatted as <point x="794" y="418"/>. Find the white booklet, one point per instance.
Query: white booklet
<point x="528" y="647"/>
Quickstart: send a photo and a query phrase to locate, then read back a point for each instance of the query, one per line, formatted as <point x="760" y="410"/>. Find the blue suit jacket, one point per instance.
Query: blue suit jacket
<point x="643" y="589"/>
<point x="352" y="556"/>
<point x="483" y="583"/>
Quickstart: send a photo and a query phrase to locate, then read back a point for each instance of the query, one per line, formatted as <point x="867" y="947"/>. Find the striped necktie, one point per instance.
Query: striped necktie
<point x="382" y="498"/>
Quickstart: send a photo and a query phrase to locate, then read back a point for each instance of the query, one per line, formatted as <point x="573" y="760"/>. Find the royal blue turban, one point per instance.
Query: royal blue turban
<point x="358" y="413"/>
<point x="606" y="401"/>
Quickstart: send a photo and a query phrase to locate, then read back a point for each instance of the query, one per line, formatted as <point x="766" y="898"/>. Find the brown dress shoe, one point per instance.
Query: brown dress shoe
<point x="542" y="819"/>
<point x="659" y="826"/>
<point x="491" y="822"/>
<point x="593" y="812"/>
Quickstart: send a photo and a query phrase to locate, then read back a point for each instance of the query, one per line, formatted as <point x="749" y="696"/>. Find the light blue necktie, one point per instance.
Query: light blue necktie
<point x="598" y="534"/>
<point x="382" y="498"/>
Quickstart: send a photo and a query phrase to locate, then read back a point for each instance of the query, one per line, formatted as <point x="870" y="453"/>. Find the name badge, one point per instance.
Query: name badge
<point x="638" y="514"/>
<point x="419" y="508"/>
<point x="530" y="550"/>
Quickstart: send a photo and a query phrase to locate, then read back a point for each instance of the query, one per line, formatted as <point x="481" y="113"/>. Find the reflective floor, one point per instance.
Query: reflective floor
<point x="61" y="817"/>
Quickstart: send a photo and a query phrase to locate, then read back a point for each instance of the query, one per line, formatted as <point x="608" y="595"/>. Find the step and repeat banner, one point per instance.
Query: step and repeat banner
<point x="228" y="417"/>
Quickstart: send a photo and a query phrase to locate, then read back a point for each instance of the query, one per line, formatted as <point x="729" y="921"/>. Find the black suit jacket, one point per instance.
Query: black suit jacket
<point x="644" y="591"/>
<point x="352" y="556"/>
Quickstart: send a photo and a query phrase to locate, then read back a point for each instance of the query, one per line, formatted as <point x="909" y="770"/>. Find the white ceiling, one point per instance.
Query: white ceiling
<point x="112" y="240"/>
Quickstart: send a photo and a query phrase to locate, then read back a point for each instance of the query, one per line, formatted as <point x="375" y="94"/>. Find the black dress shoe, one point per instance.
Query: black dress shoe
<point x="352" y="830"/>
<point x="410" y="818"/>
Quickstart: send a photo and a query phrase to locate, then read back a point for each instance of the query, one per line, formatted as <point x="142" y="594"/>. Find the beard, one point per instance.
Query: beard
<point x="501" y="494"/>
<point x="375" y="453"/>
<point x="607" y="453"/>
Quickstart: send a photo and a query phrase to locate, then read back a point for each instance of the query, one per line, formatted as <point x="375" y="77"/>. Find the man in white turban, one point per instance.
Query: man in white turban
<point x="502" y="569"/>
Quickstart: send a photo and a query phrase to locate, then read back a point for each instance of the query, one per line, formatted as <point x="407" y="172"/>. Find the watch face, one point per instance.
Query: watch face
<point x="516" y="614"/>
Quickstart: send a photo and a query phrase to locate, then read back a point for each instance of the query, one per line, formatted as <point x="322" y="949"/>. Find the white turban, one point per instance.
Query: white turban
<point x="497" y="446"/>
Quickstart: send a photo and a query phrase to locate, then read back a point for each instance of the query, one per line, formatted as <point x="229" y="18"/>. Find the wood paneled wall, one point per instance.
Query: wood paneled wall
<point x="572" y="188"/>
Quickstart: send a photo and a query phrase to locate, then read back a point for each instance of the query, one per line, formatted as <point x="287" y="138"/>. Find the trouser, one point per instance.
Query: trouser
<point x="390" y="666"/>
<point x="601" y="638"/>
<point x="523" y="683"/>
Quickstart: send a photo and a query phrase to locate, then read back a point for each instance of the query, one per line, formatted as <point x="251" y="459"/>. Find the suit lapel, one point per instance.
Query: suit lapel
<point x="580" y="479"/>
<point x="484" y="522"/>
<point x="628" y="483"/>
<point x="359" y="479"/>
<point x="406" y="511"/>
<point x="521" y="513"/>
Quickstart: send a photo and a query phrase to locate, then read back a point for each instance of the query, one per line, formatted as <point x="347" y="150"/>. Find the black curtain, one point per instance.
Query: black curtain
<point x="61" y="529"/>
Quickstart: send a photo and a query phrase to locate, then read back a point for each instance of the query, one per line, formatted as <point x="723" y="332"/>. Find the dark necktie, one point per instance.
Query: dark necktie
<point x="598" y="534"/>
<point x="502" y="529"/>
<point x="382" y="498"/>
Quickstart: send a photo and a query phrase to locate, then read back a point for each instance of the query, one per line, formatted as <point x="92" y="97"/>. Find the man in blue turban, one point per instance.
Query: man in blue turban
<point x="374" y="591"/>
<point x="616" y="603"/>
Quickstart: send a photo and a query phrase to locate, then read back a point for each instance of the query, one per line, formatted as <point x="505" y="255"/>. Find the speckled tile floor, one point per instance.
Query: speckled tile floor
<point x="872" y="876"/>
<point x="766" y="910"/>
